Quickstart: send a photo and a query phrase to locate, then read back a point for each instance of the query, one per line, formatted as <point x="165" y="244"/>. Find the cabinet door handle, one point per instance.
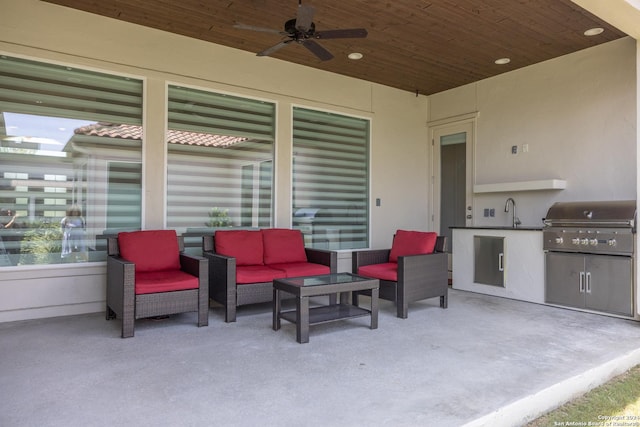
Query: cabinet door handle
<point x="501" y="261"/>
<point x="588" y="282"/>
<point x="582" y="280"/>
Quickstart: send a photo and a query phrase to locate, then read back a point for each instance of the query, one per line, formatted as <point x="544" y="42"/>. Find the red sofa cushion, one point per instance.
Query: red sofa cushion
<point x="257" y="274"/>
<point x="164" y="281"/>
<point x="386" y="271"/>
<point x="244" y="245"/>
<point x="297" y="269"/>
<point x="150" y="250"/>
<point x="412" y="243"/>
<point x="283" y="245"/>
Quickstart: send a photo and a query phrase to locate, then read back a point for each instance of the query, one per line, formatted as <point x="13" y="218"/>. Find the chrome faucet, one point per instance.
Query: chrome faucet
<point x="515" y="220"/>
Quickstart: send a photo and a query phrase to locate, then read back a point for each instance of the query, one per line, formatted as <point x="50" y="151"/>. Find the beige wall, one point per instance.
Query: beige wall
<point x="577" y="114"/>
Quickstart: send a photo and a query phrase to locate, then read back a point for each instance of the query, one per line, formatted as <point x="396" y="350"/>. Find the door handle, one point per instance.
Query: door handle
<point x="469" y="217"/>
<point x="582" y="280"/>
<point x="588" y="282"/>
<point x="501" y="261"/>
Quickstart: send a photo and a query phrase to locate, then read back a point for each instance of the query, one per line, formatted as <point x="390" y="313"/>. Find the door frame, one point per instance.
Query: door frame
<point x="465" y="123"/>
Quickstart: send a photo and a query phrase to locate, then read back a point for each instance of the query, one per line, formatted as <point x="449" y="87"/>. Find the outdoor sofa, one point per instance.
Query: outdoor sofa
<point x="244" y="263"/>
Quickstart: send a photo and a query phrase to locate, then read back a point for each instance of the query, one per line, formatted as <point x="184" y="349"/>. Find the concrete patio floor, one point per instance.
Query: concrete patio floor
<point x="484" y="361"/>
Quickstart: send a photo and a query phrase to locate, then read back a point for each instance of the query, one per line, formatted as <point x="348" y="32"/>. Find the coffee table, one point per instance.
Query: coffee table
<point x="304" y="288"/>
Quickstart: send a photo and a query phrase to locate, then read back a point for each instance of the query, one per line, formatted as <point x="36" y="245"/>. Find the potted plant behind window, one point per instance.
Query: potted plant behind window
<point x="218" y="218"/>
<point x="42" y="243"/>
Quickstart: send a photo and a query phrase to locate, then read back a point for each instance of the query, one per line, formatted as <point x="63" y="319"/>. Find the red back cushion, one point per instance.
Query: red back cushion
<point x="244" y="245"/>
<point x="412" y="243"/>
<point x="150" y="250"/>
<point x="282" y="245"/>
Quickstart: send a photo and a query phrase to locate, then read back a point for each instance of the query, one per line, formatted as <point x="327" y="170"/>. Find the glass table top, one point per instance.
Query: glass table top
<point x="325" y="279"/>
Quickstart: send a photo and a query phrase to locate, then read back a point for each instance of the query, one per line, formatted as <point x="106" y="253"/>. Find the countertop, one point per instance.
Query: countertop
<point x="489" y="227"/>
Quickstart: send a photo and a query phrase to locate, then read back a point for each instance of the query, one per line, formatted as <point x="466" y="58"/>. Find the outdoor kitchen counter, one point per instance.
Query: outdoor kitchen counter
<point x="522" y="262"/>
<point x="488" y="227"/>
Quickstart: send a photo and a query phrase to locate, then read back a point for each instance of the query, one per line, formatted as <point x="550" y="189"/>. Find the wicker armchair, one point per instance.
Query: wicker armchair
<point x="148" y="275"/>
<point x="405" y="278"/>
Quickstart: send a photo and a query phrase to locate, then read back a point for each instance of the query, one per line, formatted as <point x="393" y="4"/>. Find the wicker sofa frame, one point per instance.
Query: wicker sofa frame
<point x="222" y="278"/>
<point x="123" y="302"/>
<point x="419" y="276"/>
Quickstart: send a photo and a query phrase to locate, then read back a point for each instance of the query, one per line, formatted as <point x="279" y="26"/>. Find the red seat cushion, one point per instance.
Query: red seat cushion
<point x="297" y="269"/>
<point x="244" y="245"/>
<point x="282" y="245"/>
<point x="150" y="250"/>
<point x="386" y="271"/>
<point x="412" y="243"/>
<point x="164" y="281"/>
<point x="257" y="273"/>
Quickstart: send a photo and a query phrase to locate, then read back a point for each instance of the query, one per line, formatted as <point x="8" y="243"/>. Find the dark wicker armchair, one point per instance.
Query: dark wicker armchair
<point x="406" y="278"/>
<point x="148" y="275"/>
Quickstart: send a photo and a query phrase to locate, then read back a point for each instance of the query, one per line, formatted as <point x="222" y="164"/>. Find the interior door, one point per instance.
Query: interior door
<point x="452" y="178"/>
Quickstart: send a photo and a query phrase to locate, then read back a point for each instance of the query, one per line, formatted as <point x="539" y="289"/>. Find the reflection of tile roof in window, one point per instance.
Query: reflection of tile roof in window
<point x="175" y="136"/>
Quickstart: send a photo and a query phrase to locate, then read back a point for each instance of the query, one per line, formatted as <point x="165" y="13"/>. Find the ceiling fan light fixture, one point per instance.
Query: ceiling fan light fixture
<point x="593" y="31"/>
<point x="355" y="56"/>
<point x="502" y="61"/>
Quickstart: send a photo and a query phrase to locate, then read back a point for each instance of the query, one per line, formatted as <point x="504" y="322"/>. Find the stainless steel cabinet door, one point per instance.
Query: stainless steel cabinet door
<point x="608" y="284"/>
<point x="564" y="284"/>
<point x="489" y="260"/>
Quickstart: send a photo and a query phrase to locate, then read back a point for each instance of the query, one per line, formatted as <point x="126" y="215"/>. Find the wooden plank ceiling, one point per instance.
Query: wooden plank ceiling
<point x="414" y="45"/>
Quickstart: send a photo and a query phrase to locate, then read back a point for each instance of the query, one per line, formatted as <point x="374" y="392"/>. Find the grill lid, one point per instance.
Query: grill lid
<point x="618" y="213"/>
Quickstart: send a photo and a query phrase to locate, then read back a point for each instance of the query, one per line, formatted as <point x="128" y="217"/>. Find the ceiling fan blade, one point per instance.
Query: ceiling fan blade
<point x="322" y="53"/>
<point x="352" y="33"/>
<point x="254" y="28"/>
<point x="274" y="48"/>
<point x="304" y="18"/>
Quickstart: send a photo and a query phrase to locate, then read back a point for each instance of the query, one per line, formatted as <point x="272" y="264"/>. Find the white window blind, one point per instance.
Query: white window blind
<point x="220" y="161"/>
<point x="331" y="179"/>
<point x="61" y="130"/>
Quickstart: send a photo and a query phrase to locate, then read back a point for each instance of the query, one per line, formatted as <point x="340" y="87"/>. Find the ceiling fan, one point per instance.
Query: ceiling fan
<point x="302" y="30"/>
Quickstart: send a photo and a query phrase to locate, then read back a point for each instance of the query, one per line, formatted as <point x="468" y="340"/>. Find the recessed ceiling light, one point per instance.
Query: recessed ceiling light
<point x="355" y="55"/>
<point x="593" y="31"/>
<point x="502" y="61"/>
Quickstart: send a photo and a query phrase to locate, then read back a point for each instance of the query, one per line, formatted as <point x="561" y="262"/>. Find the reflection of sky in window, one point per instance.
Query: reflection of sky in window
<point x="52" y="133"/>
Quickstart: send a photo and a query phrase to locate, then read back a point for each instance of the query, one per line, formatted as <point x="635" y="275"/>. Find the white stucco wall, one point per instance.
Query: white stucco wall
<point x="576" y="113"/>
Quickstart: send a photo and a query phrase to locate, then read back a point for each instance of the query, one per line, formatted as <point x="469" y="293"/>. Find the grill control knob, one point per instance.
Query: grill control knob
<point x="575" y="241"/>
<point x="559" y="240"/>
<point x="584" y="241"/>
<point x="611" y="242"/>
<point x="593" y="242"/>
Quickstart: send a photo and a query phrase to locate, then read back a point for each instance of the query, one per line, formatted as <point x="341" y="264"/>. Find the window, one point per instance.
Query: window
<point x="70" y="144"/>
<point x="330" y="179"/>
<point x="220" y="162"/>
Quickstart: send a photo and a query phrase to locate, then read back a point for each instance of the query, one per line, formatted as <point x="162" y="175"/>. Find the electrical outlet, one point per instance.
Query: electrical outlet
<point x="525" y="148"/>
<point x="486" y="212"/>
<point x="492" y="212"/>
<point x="514" y="149"/>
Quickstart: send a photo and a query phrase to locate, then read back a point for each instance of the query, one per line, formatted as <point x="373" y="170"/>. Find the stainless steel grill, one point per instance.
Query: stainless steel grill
<point x="591" y="227"/>
<point x="590" y="256"/>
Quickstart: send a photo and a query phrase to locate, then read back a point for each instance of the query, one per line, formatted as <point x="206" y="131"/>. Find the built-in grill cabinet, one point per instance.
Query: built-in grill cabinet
<point x="589" y="259"/>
